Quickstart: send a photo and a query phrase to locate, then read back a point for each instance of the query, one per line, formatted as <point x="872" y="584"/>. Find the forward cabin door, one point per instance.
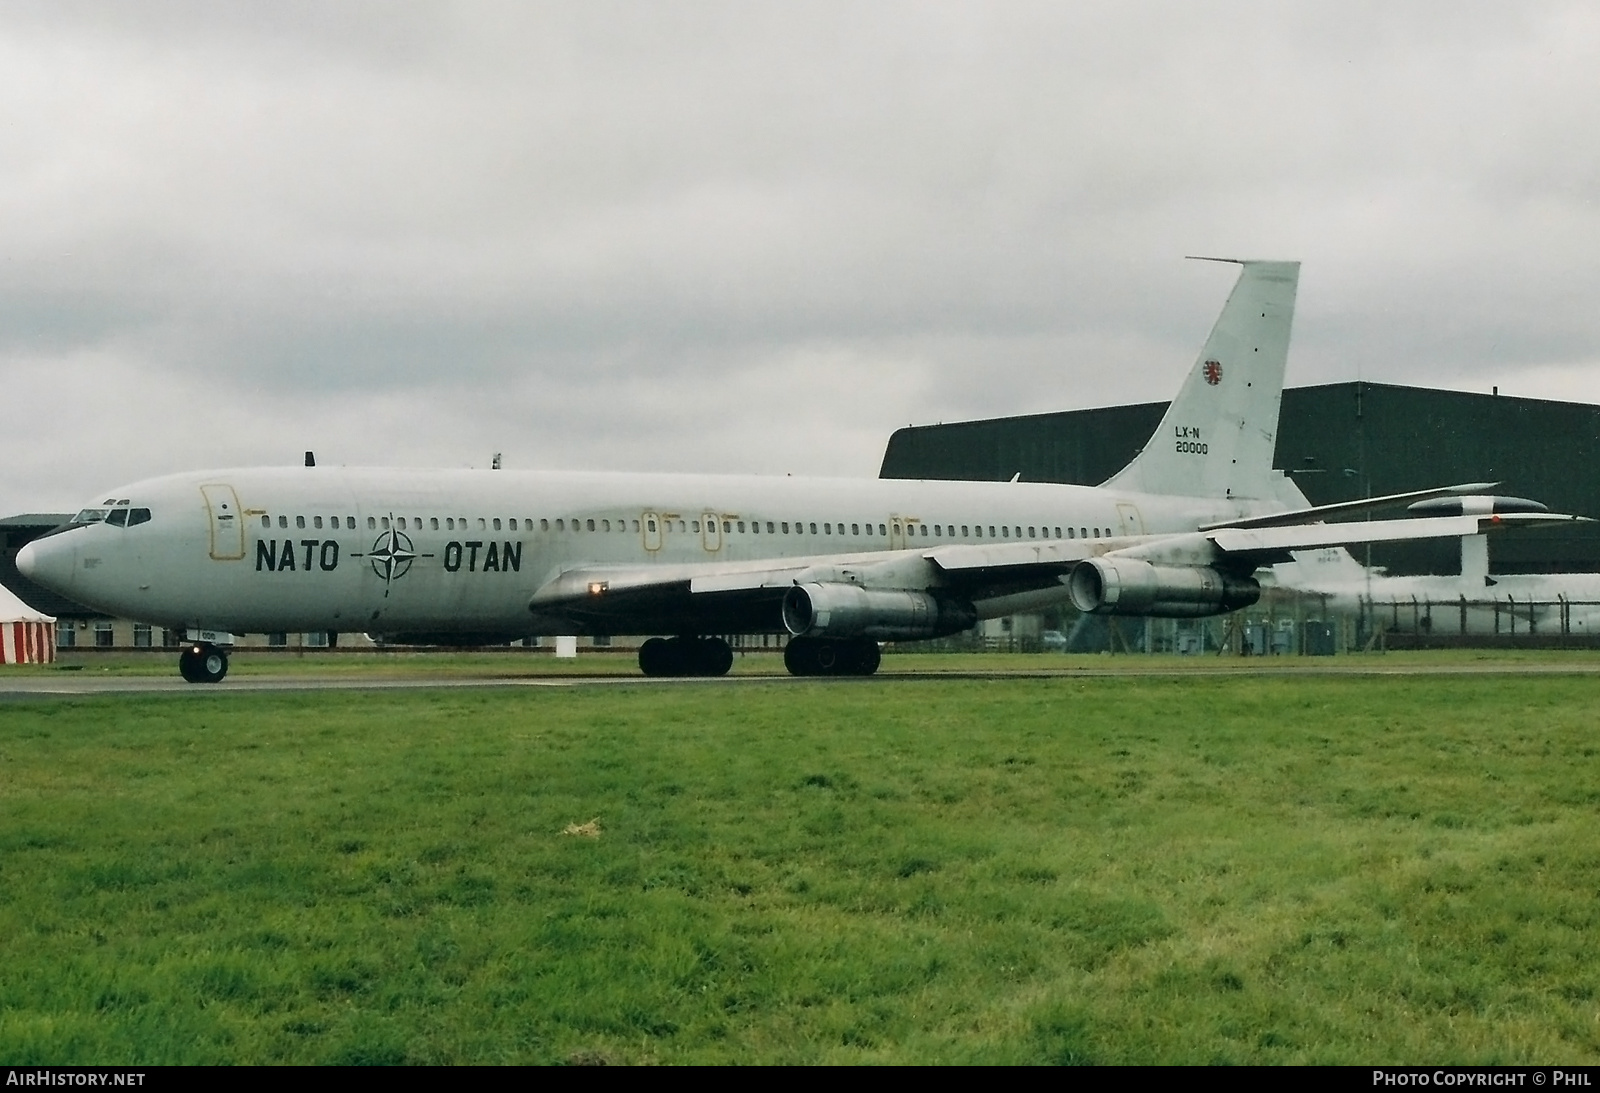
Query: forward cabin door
<point x="711" y="536"/>
<point x="1129" y="517"/>
<point x="897" y="533"/>
<point x="227" y="522"/>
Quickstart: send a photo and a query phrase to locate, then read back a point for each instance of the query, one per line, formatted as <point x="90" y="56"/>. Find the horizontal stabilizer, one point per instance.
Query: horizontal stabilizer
<point x="1369" y="504"/>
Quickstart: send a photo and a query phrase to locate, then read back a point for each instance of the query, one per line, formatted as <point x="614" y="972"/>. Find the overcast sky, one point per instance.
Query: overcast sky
<point x="753" y="237"/>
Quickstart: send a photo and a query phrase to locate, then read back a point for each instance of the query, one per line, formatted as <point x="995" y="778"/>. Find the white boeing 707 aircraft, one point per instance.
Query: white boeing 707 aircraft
<point x="470" y="557"/>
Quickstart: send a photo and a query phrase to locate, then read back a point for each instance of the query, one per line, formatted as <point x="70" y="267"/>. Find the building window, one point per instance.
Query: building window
<point x="103" y="635"/>
<point x="278" y="639"/>
<point x="317" y="640"/>
<point x="141" y="635"/>
<point x="601" y="641"/>
<point x="66" y="635"/>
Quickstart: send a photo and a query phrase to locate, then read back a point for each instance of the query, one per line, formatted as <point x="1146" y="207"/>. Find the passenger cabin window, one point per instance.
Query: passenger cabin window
<point x="316" y="521"/>
<point x="266" y="521"/>
<point x="372" y="522"/>
<point x="590" y="524"/>
<point x="484" y="526"/>
<point x="544" y="525"/>
<point x="497" y="523"/>
<point x="283" y="521"/>
<point x="813" y="529"/>
<point x="299" y="521"/>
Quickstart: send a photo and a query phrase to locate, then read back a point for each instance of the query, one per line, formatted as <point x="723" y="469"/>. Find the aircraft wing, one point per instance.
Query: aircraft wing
<point x="712" y="596"/>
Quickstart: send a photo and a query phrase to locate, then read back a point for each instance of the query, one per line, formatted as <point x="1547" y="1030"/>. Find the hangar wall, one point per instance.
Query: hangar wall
<point x="1339" y="442"/>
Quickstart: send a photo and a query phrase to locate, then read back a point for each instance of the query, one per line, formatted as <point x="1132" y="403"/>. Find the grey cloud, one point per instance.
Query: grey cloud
<point x="576" y="227"/>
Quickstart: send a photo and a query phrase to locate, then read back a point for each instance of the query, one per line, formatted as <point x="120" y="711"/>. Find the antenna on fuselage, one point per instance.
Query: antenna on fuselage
<point x="311" y="459"/>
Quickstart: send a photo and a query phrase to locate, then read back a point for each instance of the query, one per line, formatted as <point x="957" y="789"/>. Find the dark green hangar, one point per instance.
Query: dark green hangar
<point x="1338" y="442"/>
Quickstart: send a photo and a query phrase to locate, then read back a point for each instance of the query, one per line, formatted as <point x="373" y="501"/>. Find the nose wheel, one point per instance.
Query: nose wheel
<point x="202" y="663"/>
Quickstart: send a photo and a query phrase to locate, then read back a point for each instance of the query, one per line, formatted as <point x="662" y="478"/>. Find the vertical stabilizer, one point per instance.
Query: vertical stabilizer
<point x="1218" y="436"/>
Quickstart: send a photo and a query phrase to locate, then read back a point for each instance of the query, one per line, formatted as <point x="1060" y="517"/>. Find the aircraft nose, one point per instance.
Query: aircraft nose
<point x="48" y="562"/>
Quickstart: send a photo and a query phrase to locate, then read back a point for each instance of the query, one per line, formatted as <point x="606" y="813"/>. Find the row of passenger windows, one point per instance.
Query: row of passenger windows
<point x="729" y="527"/>
<point x="415" y="523"/>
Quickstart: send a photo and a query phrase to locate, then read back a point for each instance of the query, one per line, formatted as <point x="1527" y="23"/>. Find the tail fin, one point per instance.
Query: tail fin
<point x="1218" y="436"/>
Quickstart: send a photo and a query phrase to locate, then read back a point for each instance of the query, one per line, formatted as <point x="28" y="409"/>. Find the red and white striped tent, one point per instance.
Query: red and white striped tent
<point x="26" y="637"/>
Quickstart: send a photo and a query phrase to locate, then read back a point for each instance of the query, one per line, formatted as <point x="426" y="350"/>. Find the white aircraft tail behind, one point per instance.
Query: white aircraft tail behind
<point x="1219" y="435"/>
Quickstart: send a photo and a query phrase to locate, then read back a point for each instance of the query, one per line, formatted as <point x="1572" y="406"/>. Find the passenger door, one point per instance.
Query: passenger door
<point x="227" y="522"/>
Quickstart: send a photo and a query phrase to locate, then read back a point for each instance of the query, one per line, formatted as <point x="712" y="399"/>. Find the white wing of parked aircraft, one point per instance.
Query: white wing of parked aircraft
<point x="470" y="557"/>
<point x="1469" y="603"/>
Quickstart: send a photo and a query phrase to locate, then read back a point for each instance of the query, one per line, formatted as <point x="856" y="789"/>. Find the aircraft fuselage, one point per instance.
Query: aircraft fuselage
<point x="463" y="552"/>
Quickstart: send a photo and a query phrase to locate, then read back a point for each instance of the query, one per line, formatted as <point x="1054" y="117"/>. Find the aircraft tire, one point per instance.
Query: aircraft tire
<point x="867" y="658"/>
<point x="832" y="658"/>
<point x="712" y="657"/>
<point x="655" y="657"/>
<point x="798" y="658"/>
<point x="203" y="664"/>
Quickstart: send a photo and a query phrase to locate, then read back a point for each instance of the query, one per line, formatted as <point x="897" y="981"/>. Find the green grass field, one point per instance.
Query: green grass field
<point x="1264" y="869"/>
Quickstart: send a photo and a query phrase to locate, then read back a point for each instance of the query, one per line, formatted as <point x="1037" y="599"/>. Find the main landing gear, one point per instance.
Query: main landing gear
<point x="202" y="663"/>
<point x="831" y="657"/>
<point x="685" y="657"/>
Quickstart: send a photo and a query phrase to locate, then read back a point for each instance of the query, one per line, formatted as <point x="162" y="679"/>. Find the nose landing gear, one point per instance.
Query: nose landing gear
<point x="202" y="663"/>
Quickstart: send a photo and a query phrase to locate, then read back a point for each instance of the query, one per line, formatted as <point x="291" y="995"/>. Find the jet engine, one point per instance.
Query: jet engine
<point x="837" y="610"/>
<point x="1125" y="586"/>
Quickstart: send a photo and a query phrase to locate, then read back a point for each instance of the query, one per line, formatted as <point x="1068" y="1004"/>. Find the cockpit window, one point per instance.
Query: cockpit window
<point x="138" y="516"/>
<point x="90" y="516"/>
<point x="118" y="518"/>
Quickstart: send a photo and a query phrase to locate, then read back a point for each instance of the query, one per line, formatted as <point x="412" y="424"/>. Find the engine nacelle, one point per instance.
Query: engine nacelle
<point x="1125" y="586"/>
<point x="837" y="610"/>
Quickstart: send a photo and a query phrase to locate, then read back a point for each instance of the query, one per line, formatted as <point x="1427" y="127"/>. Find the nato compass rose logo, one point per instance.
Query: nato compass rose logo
<point x="1212" y="372"/>
<point x="392" y="555"/>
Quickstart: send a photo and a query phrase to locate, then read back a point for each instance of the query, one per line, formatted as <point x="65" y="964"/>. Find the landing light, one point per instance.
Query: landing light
<point x="597" y="587"/>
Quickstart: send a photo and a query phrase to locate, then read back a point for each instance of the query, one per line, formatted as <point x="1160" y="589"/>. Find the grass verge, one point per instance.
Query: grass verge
<point x="1097" y="870"/>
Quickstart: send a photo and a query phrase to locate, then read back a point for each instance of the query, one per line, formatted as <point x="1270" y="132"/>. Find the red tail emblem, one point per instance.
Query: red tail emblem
<point x="1212" y="372"/>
